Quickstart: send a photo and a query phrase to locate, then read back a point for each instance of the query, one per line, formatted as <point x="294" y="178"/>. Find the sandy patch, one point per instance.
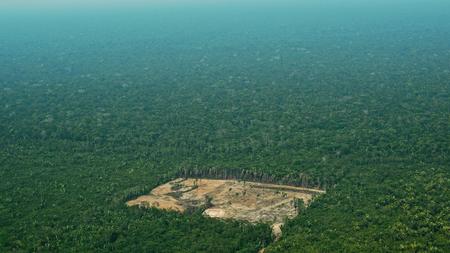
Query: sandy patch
<point x="230" y="199"/>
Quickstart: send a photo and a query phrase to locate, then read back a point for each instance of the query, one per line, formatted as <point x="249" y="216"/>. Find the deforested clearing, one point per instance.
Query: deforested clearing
<point x="230" y="199"/>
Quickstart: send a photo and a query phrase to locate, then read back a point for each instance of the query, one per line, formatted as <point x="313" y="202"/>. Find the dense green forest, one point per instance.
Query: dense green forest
<point x="89" y="119"/>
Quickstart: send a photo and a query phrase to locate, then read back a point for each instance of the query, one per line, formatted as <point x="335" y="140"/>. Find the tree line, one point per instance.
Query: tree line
<point x="293" y="179"/>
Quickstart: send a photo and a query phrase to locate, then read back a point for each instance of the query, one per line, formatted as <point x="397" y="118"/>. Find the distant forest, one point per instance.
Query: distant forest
<point x="98" y="108"/>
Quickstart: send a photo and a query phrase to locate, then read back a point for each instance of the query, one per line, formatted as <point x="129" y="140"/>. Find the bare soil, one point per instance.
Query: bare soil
<point x="230" y="199"/>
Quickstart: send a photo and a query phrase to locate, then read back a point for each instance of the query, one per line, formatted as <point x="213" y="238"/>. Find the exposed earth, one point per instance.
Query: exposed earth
<point x="230" y="199"/>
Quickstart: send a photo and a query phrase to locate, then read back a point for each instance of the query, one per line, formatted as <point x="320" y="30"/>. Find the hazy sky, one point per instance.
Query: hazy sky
<point x="102" y="4"/>
<point x="133" y="2"/>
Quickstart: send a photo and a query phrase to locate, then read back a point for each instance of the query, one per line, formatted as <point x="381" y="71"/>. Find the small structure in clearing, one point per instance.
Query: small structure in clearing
<point x="230" y="199"/>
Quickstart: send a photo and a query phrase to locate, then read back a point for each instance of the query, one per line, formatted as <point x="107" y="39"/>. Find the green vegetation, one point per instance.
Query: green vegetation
<point x="85" y="126"/>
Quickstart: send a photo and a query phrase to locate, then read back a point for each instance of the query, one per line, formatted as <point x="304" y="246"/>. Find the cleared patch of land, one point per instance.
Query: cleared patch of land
<point x="230" y="199"/>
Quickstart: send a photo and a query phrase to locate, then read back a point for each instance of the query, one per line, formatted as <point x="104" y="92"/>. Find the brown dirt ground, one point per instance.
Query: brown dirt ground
<point x="230" y="199"/>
